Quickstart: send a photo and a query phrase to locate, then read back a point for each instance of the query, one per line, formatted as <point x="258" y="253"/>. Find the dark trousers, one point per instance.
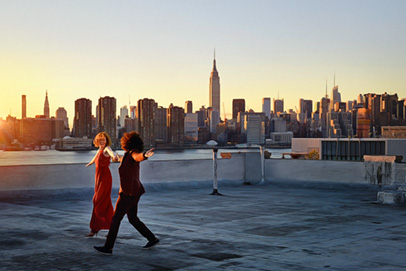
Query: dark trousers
<point x="126" y="205"/>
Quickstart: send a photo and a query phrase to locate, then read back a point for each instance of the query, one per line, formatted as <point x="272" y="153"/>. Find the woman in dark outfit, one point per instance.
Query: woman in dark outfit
<point x="130" y="192"/>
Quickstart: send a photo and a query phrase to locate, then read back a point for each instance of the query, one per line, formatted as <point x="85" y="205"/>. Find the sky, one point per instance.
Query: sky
<point x="164" y="50"/>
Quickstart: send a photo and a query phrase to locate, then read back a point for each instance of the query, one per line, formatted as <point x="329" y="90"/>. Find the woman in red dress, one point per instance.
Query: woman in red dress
<point x="102" y="206"/>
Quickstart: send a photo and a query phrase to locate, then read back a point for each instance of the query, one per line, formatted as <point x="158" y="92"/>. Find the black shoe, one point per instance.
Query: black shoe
<point x="104" y="250"/>
<point x="150" y="244"/>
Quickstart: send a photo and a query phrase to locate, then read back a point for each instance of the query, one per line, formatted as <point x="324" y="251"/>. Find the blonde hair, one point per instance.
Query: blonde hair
<point x="98" y="136"/>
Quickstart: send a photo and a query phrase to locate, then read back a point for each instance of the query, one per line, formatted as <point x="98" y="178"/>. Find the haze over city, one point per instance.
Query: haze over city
<point x="164" y="50"/>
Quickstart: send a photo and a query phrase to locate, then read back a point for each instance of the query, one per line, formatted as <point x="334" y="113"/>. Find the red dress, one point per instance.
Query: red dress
<point x="102" y="206"/>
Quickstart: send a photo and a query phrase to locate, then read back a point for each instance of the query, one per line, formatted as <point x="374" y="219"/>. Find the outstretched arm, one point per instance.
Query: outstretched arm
<point x="91" y="162"/>
<point x="113" y="155"/>
<point x="141" y="156"/>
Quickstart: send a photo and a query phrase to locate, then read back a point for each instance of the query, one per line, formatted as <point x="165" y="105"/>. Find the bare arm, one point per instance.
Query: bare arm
<point x="111" y="153"/>
<point x="91" y="162"/>
<point x="141" y="156"/>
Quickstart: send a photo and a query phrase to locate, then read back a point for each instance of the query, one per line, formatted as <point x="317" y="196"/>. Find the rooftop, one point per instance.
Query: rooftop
<point x="274" y="226"/>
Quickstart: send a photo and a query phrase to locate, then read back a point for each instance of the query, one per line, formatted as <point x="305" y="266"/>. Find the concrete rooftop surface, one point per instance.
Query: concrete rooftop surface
<point x="274" y="226"/>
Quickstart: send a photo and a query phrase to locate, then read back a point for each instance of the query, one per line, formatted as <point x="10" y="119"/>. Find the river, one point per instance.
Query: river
<point x="8" y="158"/>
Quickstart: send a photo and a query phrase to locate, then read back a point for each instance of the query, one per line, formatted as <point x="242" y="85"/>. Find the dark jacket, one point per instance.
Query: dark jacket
<point x="129" y="171"/>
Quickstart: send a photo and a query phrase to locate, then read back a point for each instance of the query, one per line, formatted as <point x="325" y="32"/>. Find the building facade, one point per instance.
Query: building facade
<point x="82" y="122"/>
<point x="238" y="106"/>
<point x="46" y="106"/>
<point x="107" y="121"/>
<point x="214" y="88"/>
<point x="278" y="106"/>
<point x="61" y="114"/>
<point x="24" y="107"/>
<point x="146" y="109"/>
<point x="176" y="125"/>
<point x="188" y="107"/>
<point x="266" y="107"/>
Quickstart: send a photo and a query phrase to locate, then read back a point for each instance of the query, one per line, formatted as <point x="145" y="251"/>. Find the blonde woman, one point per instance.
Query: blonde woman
<point x="102" y="207"/>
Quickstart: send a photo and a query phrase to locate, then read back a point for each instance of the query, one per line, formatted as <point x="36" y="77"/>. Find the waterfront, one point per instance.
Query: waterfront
<point x="11" y="158"/>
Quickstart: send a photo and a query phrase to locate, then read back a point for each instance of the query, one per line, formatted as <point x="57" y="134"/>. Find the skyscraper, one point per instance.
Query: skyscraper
<point x="323" y="116"/>
<point x="335" y="97"/>
<point x="306" y="107"/>
<point x="24" y="107"/>
<point x="266" y="107"/>
<point x="176" y="125"/>
<point x="161" y="127"/>
<point x="123" y="115"/>
<point x="214" y="120"/>
<point x="82" y="122"/>
<point x="238" y="106"/>
<point x="146" y="109"/>
<point x="188" y="107"/>
<point x="214" y="88"/>
<point x="61" y="114"/>
<point x="107" y="117"/>
<point x="46" y="106"/>
<point x="278" y="105"/>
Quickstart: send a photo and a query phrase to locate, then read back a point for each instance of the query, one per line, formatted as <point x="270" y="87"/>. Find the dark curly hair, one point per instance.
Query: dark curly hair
<point x="132" y="141"/>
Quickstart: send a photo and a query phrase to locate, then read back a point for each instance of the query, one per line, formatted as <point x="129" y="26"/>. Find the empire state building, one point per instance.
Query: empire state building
<point x="214" y="88"/>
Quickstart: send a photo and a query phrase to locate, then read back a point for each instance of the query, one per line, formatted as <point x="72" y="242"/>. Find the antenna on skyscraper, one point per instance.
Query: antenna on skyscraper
<point x="214" y="52"/>
<point x="129" y="100"/>
<point x="334" y="79"/>
<point x="326" y="90"/>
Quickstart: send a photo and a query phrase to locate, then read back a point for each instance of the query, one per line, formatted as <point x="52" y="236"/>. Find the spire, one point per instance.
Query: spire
<point x="214" y="62"/>
<point x="46" y="105"/>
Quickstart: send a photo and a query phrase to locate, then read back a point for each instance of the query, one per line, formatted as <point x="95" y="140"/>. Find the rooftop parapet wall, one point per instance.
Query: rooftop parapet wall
<point x="315" y="170"/>
<point x="78" y="176"/>
<point x="241" y="167"/>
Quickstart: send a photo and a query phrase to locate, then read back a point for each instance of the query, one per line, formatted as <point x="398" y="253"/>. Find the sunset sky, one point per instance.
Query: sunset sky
<point x="164" y="50"/>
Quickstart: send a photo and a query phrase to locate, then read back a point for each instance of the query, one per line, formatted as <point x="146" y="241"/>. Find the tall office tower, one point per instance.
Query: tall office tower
<point x="46" y="106"/>
<point x="278" y="105"/>
<point x="24" y="107"/>
<point x="82" y="122"/>
<point x="107" y="117"/>
<point x="317" y="107"/>
<point x="238" y="106"/>
<point x="214" y="88"/>
<point x="214" y="120"/>
<point x="335" y="97"/>
<point x="323" y="116"/>
<point x="191" y="128"/>
<point x="133" y="110"/>
<point x="61" y="114"/>
<point x="350" y="105"/>
<point x="161" y="126"/>
<point x="360" y="99"/>
<point x="146" y="109"/>
<point x="254" y="125"/>
<point x="306" y="107"/>
<point x="176" y="125"/>
<point x="201" y="116"/>
<point x="266" y="107"/>
<point x="188" y="107"/>
<point x="123" y="115"/>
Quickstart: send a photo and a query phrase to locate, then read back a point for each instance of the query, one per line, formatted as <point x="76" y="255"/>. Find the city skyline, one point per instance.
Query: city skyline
<point x="155" y="50"/>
